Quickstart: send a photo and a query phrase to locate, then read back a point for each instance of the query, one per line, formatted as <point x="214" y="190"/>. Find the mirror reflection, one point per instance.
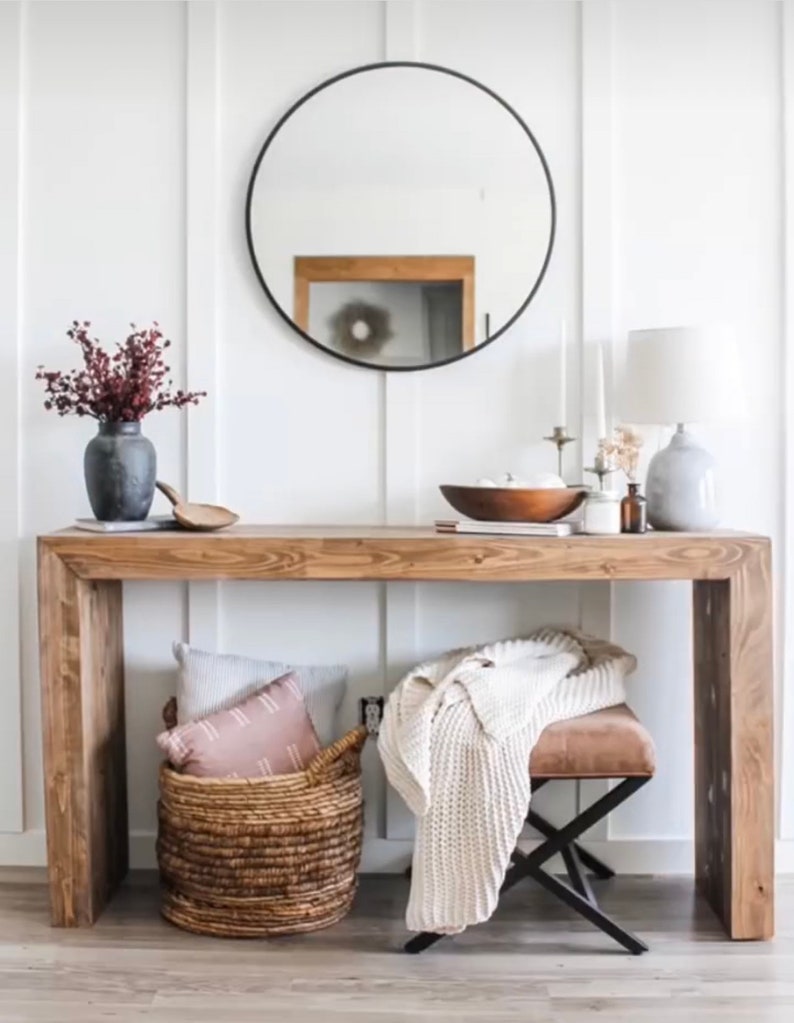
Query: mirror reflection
<point x="400" y="216"/>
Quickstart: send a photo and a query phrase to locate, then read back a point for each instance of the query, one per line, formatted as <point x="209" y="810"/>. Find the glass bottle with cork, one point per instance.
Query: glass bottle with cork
<point x="633" y="511"/>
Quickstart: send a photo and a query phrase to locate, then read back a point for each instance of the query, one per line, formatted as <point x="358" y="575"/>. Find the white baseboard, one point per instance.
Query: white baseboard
<point x="639" y="855"/>
<point x="23" y="849"/>
<point x="386" y="856"/>
<point x="784" y="856"/>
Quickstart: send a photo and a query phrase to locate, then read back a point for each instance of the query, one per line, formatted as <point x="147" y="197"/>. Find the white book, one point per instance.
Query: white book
<point x="514" y="528"/>
<point x="153" y="524"/>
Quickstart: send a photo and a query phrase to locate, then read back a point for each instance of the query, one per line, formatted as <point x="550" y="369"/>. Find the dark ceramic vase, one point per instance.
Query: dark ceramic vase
<point x="120" y="470"/>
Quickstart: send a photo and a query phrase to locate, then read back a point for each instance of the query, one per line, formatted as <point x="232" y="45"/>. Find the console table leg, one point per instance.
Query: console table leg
<point x="82" y="680"/>
<point x="734" y="768"/>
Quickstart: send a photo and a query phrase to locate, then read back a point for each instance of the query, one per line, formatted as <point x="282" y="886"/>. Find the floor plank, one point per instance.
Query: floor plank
<point x="534" y="961"/>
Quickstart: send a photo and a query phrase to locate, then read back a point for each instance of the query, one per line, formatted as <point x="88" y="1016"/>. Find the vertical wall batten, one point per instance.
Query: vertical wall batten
<point x="12" y="101"/>
<point x="202" y="289"/>
<point x="596" y="263"/>
<point x="401" y="452"/>
<point x="786" y="559"/>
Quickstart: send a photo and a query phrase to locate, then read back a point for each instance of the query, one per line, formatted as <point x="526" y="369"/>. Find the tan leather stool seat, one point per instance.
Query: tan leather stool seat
<point x="609" y="743"/>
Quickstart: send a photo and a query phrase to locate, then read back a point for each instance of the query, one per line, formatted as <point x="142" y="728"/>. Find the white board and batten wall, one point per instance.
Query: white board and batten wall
<point x="128" y="133"/>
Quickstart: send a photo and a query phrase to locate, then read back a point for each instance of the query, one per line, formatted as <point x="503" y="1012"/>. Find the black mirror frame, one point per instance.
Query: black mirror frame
<point x="349" y="74"/>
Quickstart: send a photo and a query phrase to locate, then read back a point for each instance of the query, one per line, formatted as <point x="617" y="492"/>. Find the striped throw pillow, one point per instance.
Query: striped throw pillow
<point x="210" y="682"/>
<point x="268" y="733"/>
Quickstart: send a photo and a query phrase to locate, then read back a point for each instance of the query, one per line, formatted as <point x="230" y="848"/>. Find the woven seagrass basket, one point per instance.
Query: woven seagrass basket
<point x="246" y="858"/>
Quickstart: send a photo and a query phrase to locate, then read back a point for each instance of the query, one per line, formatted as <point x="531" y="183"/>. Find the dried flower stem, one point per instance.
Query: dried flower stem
<point x="623" y="450"/>
<point x="119" y="388"/>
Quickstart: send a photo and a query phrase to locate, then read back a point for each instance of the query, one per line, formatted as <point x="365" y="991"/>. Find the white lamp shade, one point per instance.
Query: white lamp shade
<point x="681" y="375"/>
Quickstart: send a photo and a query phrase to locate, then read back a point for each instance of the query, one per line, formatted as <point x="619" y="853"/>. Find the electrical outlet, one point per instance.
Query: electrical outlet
<point x="371" y="713"/>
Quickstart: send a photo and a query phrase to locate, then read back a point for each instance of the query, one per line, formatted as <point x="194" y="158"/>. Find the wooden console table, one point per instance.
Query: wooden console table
<point x="82" y="674"/>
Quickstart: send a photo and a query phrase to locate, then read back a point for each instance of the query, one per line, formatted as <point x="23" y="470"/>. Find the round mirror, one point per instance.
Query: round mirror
<point x="400" y="216"/>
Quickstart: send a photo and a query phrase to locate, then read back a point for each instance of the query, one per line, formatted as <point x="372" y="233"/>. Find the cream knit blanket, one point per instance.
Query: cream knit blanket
<point x="455" y="741"/>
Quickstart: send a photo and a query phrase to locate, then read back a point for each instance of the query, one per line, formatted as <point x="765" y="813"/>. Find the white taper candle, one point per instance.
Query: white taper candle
<point x="601" y="419"/>
<point x="562" y="411"/>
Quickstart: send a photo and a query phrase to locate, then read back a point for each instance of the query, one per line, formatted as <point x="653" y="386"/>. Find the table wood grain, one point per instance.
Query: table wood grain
<point x="349" y="553"/>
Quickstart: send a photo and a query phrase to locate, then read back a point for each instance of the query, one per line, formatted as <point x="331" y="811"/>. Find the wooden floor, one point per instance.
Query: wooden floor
<point x="533" y="962"/>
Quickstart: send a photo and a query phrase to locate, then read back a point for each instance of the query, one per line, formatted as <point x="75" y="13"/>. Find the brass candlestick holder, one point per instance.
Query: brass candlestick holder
<point x="603" y="463"/>
<point x="560" y="437"/>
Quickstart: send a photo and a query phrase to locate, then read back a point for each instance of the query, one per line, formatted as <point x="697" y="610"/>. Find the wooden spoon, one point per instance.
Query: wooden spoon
<point x="202" y="517"/>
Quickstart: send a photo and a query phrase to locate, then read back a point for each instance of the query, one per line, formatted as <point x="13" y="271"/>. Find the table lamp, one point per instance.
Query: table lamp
<point x="681" y="375"/>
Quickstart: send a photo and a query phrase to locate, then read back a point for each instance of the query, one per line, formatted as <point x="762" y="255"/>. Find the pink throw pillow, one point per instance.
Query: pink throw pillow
<point x="270" y="732"/>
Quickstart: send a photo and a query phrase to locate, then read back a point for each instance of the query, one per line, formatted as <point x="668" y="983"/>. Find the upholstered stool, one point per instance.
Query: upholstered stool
<point x="608" y="744"/>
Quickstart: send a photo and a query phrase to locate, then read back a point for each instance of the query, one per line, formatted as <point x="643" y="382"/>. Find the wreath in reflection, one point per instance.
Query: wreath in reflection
<point x="360" y="329"/>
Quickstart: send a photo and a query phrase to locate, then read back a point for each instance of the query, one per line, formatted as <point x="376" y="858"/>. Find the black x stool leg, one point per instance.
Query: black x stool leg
<point x="421" y="941"/>
<point x="579" y="879"/>
<point x="571" y="831"/>
<point x="589" y="910"/>
<point x="563" y="840"/>
<point x="594" y="865"/>
<point x="547" y="829"/>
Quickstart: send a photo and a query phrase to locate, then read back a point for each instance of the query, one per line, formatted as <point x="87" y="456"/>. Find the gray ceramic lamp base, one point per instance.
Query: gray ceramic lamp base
<point x="680" y="486"/>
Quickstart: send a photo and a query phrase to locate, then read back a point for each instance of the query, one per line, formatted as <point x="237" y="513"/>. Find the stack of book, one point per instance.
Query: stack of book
<point x="512" y="528"/>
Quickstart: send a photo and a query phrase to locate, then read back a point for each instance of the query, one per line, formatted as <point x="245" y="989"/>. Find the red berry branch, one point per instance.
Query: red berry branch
<point x="121" y="387"/>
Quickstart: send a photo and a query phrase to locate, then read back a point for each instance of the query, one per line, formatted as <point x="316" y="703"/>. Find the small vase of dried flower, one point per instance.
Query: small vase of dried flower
<point x="623" y="448"/>
<point x="118" y="390"/>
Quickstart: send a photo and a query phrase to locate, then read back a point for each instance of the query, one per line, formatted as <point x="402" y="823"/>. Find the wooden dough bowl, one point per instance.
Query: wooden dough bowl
<point x="514" y="504"/>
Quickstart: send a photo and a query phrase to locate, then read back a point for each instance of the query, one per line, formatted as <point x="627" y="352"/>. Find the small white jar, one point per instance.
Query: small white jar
<point x="602" y="513"/>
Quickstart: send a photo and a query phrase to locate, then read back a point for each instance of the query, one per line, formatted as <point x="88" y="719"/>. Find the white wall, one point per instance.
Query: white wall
<point x="121" y="197"/>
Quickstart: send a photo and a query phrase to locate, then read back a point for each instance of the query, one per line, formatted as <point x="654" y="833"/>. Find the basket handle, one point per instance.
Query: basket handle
<point x="353" y="741"/>
<point x="169" y="713"/>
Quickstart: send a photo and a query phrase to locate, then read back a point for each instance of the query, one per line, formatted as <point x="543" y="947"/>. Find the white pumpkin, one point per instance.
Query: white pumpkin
<point x="545" y="481"/>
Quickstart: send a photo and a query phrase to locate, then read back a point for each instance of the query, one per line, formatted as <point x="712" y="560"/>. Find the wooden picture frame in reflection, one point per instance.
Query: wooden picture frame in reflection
<point x="452" y="274"/>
